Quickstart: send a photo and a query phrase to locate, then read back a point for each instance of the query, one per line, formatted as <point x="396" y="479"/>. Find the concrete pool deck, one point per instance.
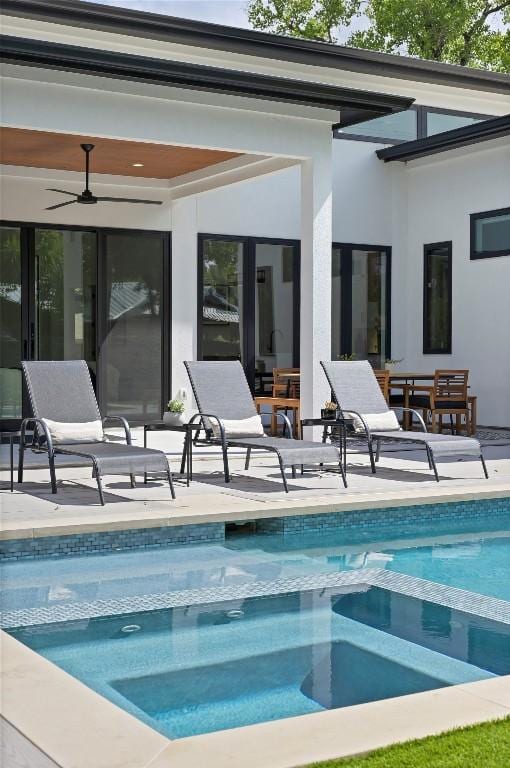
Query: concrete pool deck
<point x="403" y="477"/>
<point x="51" y="720"/>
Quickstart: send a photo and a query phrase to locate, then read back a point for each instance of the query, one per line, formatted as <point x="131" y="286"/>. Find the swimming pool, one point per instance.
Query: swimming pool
<point x="260" y="627"/>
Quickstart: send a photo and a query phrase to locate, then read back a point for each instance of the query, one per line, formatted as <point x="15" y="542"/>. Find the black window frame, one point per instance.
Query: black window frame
<point x="28" y="308"/>
<point x="427" y="249"/>
<point x="346" y="294"/>
<point x="250" y="243"/>
<point x="422" y="111"/>
<point x="474" y="255"/>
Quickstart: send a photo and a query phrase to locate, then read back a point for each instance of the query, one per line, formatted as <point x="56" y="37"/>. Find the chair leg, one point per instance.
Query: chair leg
<point x="377" y="450"/>
<point x="432" y="463"/>
<point x="371" y="454"/>
<point x="53" y="479"/>
<point x="133" y="481"/>
<point x="99" y="485"/>
<point x="21" y="456"/>
<point x="282" y="470"/>
<point x="247" y="460"/>
<point x="171" y="483"/>
<point x="484" y="465"/>
<point x="342" y="472"/>
<point x="225" y="463"/>
<point x="293" y="471"/>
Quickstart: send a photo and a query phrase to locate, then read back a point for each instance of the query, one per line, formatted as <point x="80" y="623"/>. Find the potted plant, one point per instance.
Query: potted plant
<point x="174" y="414"/>
<point x="329" y="410"/>
<point x="390" y="364"/>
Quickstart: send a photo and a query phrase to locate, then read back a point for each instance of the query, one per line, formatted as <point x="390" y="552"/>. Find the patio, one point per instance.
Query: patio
<point x="402" y="478"/>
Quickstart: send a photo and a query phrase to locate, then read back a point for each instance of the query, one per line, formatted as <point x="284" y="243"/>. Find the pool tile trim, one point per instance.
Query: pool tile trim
<point x="411" y="586"/>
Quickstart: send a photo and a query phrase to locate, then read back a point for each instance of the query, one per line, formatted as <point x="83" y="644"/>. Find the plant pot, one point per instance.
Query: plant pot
<point x="329" y="415"/>
<point x="389" y="367"/>
<point x="173" y="419"/>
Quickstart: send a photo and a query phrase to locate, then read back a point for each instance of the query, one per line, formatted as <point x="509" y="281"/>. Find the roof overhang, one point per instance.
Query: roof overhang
<point x="442" y="142"/>
<point x="154" y="26"/>
<point x="353" y="105"/>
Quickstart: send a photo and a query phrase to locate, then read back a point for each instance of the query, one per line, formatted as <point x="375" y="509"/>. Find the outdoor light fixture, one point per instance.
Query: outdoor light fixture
<point x="137" y="165"/>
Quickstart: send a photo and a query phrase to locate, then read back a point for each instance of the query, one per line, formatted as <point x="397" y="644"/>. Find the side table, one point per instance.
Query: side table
<point x="12" y="437"/>
<point x="339" y="423"/>
<point x="187" y="451"/>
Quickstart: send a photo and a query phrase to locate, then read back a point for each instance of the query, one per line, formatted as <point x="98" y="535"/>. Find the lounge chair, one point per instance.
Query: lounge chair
<point x="66" y="420"/>
<point x="227" y="412"/>
<point x="357" y="392"/>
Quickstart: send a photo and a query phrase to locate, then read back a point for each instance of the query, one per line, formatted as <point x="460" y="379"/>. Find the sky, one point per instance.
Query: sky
<point x="233" y="13"/>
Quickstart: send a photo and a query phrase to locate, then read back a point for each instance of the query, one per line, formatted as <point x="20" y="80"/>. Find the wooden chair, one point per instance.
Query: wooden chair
<point x="448" y="396"/>
<point x="383" y="379"/>
<point x="286" y="382"/>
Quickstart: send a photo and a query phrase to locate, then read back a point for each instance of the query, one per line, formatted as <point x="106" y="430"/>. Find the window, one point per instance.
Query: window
<point x="437" y="299"/>
<point x="490" y="234"/>
<point x="392" y="128"/>
<point x="438" y="122"/>
<point x="418" y="122"/>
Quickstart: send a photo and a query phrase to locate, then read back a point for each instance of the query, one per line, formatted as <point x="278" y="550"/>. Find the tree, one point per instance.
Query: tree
<point x="453" y="31"/>
<point x="313" y="19"/>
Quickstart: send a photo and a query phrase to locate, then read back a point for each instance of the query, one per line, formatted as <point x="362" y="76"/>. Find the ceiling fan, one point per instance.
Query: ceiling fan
<point x="86" y="197"/>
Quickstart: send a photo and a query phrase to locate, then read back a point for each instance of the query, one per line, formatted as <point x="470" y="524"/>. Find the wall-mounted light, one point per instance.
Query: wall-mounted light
<point x="137" y="165"/>
<point x="261" y="275"/>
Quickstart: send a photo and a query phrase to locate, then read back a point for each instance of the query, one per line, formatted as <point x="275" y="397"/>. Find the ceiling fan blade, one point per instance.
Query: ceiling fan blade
<point x="128" y="200"/>
<point x="60" y="205"/>
<point x="62" y="191"/>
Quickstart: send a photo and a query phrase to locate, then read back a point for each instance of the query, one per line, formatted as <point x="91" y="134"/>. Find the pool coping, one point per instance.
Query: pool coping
<point x="75" y="727"/>
<point x="249" y="509"/>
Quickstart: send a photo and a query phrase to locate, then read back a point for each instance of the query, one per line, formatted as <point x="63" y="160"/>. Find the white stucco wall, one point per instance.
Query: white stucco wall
<point x="441" y="192"/>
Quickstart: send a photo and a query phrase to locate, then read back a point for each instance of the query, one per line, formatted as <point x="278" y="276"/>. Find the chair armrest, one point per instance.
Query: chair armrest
<point x="286" y="423"/>
<point x="124" y="422"/>
<point x="203" y="416"/>
<point x="412" y="410"/>
<point x="346" y="411"/>
<point x="39" y="423"/>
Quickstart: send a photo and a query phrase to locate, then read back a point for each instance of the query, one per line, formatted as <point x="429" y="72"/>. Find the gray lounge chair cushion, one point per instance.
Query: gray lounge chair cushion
<point x="221" y="390"/>
<point x="61" y="390"/>
<point x="355" y="387"/>
<point x="440" y="445"/>
<point x="292" y="452"/>
<point x="119" y="458"/>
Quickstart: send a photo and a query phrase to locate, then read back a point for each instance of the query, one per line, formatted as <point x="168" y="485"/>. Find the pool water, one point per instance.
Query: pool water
<point x="209" y="667"/>
<point x="472" y="555"/>
<point x="215" y="665"/>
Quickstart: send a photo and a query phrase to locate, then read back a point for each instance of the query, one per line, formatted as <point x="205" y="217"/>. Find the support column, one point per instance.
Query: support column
<point x="316" y="239"/>
<point x="184" y="293"/>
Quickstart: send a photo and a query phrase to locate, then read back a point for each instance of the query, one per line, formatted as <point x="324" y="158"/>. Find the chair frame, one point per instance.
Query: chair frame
<point x="434" y="392"/>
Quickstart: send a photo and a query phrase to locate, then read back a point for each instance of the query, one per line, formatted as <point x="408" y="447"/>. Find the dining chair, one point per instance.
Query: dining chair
<point x="447" y="396"/>
<point x="383" y="379"/>
<point x="286" y="382"/>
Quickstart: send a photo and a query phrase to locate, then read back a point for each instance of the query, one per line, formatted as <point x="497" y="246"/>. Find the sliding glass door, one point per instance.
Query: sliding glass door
<point x="65" y="296"/>
<point x="101" y="296"/>
<point x="361" y="302"/>
<point x="132" y="349"/>
<point x="249" y="309"/>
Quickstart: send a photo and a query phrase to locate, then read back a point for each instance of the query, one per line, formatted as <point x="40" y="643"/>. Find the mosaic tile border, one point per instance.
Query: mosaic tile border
<point x="449" y="597"/>
<point x="364" y="519"/>
<point x="108" y="541"/>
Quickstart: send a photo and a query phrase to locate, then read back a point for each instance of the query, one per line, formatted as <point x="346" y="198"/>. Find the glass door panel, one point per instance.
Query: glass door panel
<point x="65" y="296"/>
<point x="275" y="269"/>
<point x="368" y="341"/>
<point x="11" y="334"/>
<point x="360" y="307"/>
<point x="132" y="350"/>
<point x="336" y="303"/>
<point x="222" y="300"/>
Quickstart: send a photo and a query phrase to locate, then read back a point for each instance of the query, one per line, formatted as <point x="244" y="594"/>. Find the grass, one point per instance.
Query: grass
<point x="478" y="746"/>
